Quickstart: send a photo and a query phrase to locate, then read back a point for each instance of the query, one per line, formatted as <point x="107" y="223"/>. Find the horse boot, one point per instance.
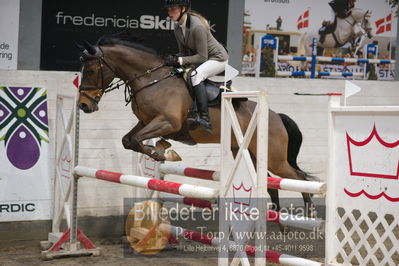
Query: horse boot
<point x="202" y="105"/>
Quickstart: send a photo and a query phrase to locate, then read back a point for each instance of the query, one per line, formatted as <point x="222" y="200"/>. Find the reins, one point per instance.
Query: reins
<point x="129" y="91"/>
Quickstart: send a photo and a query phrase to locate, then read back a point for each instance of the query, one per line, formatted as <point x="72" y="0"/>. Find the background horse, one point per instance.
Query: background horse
<point x="347" y="29"/>
<point x="161" y="102"/>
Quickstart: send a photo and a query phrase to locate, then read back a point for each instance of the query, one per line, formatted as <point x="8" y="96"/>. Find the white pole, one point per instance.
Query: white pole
<point x="261" y="171"/>
<point x="276" y="53"/>
<point x="258" y="48"/>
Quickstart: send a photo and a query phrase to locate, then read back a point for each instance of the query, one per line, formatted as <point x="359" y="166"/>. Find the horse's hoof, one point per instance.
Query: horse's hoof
<point x="172" y="156"/>
<point x="162" y="145"/>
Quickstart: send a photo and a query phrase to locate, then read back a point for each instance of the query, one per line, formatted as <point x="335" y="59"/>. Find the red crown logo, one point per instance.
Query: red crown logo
<point x="242" y="195"/>
<point x="66" y="164"/>
<point x="150" y="167"/>
<point x="373" y="157"/>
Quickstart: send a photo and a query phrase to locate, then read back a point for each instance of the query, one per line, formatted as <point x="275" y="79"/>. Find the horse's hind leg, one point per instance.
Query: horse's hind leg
<point x="284" y="170"/>
<point x="294" y="145"/>
<point x="278" y="160"/>
<point x="273" y="193"/>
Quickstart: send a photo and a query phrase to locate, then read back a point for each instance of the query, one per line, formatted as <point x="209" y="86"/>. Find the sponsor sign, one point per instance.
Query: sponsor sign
<point x="269" y="41"/>
<point x="25" y="183"/>
<point x="65" y="22"/>
<point x="371" y="49"/>
<point x="9" y="28"/>
<point x="385" y="73"/>
<point x="382" y="72"/>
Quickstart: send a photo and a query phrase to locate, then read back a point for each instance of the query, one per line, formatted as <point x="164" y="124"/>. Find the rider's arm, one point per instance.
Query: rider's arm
<point x="200" y="36"/>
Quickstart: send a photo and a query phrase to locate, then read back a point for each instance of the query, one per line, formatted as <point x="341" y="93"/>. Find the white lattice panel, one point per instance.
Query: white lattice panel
<point x="363" y="186"/>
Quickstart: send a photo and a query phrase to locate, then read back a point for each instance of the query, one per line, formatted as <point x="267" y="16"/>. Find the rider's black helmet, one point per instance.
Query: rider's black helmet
<point x="170" y="3"/>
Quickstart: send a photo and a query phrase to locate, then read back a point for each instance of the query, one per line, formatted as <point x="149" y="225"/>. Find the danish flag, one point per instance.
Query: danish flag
<point x="384" y="24"/>
<point x="303" y="20"/>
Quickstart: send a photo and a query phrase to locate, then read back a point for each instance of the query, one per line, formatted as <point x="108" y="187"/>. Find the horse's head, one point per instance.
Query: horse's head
<point x="362" y="19"/>
<point x="96" y="75"/>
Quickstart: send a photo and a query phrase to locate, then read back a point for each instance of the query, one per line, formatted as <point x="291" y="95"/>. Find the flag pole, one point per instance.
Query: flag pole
<point x="390" y="41"/>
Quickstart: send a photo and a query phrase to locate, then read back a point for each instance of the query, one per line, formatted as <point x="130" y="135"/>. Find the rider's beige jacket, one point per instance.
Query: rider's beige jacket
<point x="198" y="45"/>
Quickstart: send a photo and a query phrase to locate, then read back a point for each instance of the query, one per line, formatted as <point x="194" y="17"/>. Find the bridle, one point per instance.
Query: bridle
<point x="130" y="92"/>
<point x="100" y="77"/>
<point x="366" y="21"/>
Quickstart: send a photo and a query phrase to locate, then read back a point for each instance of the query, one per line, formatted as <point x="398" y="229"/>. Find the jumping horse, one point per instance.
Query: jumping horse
<point x="161" y="102"/>
<point x="357" y="24"/>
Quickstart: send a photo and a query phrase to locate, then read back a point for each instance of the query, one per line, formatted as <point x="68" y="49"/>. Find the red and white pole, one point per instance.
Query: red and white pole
<point x="272" y="182"/>
<point x="149" y="183"/>
<point x="168" y="169"/>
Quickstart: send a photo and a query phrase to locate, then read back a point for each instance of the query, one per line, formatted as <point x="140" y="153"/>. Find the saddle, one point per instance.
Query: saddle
<point x="329" y="27"/>
<point x="214" y="89"/>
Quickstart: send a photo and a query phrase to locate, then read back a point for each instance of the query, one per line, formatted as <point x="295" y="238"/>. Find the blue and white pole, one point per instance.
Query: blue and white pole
<point x="314" y="54"/>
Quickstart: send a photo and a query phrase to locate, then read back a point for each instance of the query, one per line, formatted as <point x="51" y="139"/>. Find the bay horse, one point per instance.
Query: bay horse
<point x="161" y="102"/>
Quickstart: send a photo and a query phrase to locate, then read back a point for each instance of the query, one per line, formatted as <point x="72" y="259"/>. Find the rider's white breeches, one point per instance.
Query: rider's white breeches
<point x="207" y="69"/>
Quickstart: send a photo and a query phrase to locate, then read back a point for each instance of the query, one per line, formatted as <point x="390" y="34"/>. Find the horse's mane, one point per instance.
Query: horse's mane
<point x="125" y="40"/>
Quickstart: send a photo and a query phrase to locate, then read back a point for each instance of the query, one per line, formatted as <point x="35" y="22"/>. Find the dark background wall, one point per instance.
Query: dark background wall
<point x="48" y="44"/>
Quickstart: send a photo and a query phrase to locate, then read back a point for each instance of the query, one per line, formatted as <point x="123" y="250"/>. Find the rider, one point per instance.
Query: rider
<point x="339" y="8"/>
<point x="198" y="47"/>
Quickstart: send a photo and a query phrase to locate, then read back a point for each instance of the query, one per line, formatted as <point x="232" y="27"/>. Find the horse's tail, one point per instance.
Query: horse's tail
<point x="294" y="144"/>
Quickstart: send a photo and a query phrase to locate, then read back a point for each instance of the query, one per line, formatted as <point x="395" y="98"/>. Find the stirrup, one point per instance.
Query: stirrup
<point x="192" y="115"/>
<point x="206" y="124"/>
<point x="200" y="122"/>
<point x="193" y="125"/>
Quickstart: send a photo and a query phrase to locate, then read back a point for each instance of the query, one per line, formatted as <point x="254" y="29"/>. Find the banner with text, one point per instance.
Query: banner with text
<point x="66" y="22"/>
<point x="9" y="28"/>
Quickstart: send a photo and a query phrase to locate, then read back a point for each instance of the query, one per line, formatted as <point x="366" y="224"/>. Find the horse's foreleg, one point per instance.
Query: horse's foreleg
<point x="156" y="128"/>
<point x="126" y="140"/>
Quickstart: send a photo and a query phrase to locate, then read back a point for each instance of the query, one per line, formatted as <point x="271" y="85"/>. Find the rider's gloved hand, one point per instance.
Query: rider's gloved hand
<point x="172" y="60"/>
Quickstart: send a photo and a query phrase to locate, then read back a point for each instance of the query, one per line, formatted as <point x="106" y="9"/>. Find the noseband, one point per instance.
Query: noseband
<point x="129" y="92"/>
